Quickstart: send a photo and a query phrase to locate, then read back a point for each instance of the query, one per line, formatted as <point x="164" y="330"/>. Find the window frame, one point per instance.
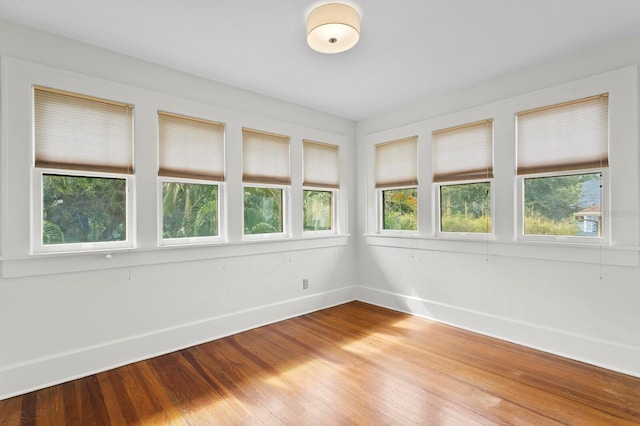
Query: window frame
<point x="605" y="239"/>
<point x="334" y="211"/>
<point x="380" y="212"/>
<point x="178" y="241"/>
<point x="463" y="235"/>
<point x="285" y="213"/>
<point x="38" y="220"/>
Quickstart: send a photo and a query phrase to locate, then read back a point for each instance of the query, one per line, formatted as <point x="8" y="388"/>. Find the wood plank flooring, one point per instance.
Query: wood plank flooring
<point x="351" y="364"/>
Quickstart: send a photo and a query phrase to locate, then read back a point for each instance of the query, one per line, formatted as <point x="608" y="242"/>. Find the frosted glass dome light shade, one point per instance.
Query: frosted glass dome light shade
<point x="333" y="28"/>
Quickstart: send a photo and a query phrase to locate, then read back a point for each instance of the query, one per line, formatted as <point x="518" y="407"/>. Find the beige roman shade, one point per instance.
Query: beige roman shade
<point x="320" y="165"/>
<point x="568" y="136"/>
<point x="190" y="147"/>
<point x="397" y="163"/>
<point x="463" y="152"/>
<point x="78" y="132"/>
<point x="265" y="158"/>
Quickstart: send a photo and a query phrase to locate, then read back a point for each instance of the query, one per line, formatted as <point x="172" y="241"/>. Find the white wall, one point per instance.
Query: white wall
<point x="66" y="316"/>
<point x="63" y="317"/>
<point x="573" y="300"/>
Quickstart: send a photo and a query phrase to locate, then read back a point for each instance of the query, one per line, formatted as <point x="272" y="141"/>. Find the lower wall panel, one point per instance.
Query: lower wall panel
<point x="609" y="355"/>
<point x="37" y="374"/>
<point x="41" y="373"/>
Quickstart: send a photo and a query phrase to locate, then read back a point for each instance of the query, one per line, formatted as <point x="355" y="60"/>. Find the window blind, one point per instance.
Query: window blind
<point x="78" y="132"/>
<point x="320" y="165"/>
<point x="265" y="158"/>
<point x="190" y="147"/>
<point x="397" y="163"/>
<point x="568" y="136"/>
<point x="463" y="152"/>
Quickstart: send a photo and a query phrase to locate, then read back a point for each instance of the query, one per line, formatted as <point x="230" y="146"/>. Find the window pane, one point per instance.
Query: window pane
<point x="263" y="210"/>
<point x="563" y="205"/>
<point x="318" y="210"/>
<point x="400" y="209"/>
<point x="465" y="208"/>
<point x="78" y="209"/>
<point x="189" y="210"/>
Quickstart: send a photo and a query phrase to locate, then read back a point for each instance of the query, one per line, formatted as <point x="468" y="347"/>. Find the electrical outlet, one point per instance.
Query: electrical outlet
<point x="305" y="283"/>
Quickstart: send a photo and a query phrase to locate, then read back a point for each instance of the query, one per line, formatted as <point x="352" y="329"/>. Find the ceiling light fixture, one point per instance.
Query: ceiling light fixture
<point x="333" y="28"/>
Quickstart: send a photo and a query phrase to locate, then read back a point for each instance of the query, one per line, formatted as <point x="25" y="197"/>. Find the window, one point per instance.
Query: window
<point x="191" y="171"/>
<point x="396" y="177"/>
<point x="318" y="210"/>
<point x="463" y="170"/>
<point x="321" y="179"/>
<point x="266" y="177"/>
<point x="400" y="209"/>
<point x="562" y="165"/>
<point x="566" y="205"/>
<point x="83" y="161"/>
<point x="465" y="207"/>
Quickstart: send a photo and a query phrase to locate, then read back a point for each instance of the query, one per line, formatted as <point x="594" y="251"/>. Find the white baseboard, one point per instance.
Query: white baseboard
<point x="610" y="355"/>
<point x="40" y="373"/>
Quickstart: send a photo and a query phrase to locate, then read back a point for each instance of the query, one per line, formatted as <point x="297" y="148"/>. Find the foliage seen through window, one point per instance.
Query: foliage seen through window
<point x="263" y="210"/>
<point x="189" y="210"/>
<point x="465" y="208"/>
<point x="563" y="205"/>
<point x="318" y="210"/>
<point x="400" y="209"/>
<point x="79" y="209"/>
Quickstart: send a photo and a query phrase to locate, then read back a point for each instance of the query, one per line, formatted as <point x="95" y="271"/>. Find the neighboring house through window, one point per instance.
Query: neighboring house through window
<point x="562" y="165"/>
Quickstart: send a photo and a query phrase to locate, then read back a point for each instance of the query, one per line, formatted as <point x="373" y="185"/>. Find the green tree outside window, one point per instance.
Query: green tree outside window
<point x="263" y="211"/>
<point x="79" y="209"/>
<point x="189" y="210"/>
<point x="465" y="208"/>
<point x="317" y="209"/>
<point x="563" y="205"/>
<point x="400" y="209"/>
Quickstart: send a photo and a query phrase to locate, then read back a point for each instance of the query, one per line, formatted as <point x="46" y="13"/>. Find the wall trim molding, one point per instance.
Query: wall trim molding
<point x="40" y="373"/>
<point x="590" y="254"/>
<point x="95" y="260"/>
<point x="613" y="356"/>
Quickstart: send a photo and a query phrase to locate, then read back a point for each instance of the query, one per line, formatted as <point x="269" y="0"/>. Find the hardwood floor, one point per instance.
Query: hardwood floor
<point x="352" y="364"/>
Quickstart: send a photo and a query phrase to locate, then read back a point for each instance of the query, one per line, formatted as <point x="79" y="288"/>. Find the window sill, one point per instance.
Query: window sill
<point x="57" y="263"/>
<point x="554" y="251"/>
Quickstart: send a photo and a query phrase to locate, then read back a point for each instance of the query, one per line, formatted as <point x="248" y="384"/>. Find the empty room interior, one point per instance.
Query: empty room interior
<point x="299" y="212"/>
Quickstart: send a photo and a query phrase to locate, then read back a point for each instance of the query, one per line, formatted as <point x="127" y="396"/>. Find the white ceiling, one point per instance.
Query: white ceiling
<point x="409" y="49"/>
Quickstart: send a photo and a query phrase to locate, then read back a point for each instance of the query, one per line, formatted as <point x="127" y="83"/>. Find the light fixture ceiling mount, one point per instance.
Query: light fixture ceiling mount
<point x="333" y="28"/>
